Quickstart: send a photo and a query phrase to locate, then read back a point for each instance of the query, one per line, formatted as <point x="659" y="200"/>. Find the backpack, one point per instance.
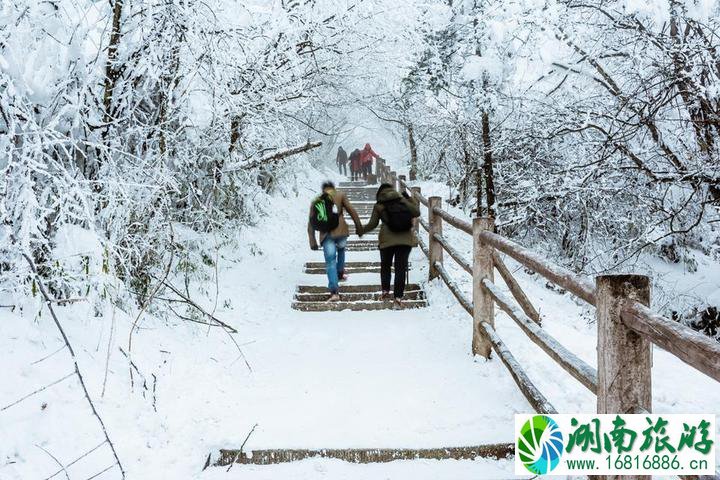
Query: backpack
<point x="397" y="216"/>
<point x="324" y="216"/>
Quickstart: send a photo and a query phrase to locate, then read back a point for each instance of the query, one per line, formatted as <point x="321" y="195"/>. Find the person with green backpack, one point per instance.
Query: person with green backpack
<point x="326" y="217"/>
<point x="397" y="213"/>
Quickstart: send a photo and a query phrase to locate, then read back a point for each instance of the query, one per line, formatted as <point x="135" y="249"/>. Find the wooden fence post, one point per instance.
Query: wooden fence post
<point x="483" y="304"/>
<point x="402" y="180"/>
<point x="624" y="356"/>
<point x="378" y="169"/>
<point x="372" y="179"/>
<point x="393" y="179"/>
<point x="416" y="221"/>
<point x="434" y="247"/>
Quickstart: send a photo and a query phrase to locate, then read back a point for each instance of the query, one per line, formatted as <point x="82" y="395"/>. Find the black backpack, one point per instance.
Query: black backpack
<point x="324" y="216"/>
<point x="397" y="216"/>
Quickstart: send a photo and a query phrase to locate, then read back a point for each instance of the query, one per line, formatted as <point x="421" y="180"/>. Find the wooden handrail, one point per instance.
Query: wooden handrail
<point x="403" y="184"/>
<point x="700" y="477"/>
<point x="622" y="379"/>
<point x="563" y="277"/>
<point x="576" y="367"/>
<point x="515" y="289"/>
<point x="454" y="289"/>
<point x="454" y="253"/>
<point x="528" y="389"/>
<point x="510" y="281"/>
<point x="423" y="246"/>
<point x="454" y="221"/>
<point x="694" y="348"/>
<point x="421" y="198"/>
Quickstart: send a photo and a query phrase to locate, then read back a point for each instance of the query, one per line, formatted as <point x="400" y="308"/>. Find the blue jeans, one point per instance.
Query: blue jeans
<point x="334" y="250"/>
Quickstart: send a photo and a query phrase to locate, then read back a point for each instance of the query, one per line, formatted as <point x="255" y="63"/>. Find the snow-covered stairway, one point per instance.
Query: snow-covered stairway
<point x="362" y="292"/>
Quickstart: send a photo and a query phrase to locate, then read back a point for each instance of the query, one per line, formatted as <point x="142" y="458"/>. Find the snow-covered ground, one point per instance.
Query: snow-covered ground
<point x="332" y="380"/>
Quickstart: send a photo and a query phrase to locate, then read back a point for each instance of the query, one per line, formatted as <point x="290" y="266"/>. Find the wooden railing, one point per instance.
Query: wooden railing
<point x="627" y="327"/>
<point x="383" y="174"/>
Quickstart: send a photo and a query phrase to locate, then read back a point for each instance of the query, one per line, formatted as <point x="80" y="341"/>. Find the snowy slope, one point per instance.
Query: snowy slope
<point x="375" y="379"/>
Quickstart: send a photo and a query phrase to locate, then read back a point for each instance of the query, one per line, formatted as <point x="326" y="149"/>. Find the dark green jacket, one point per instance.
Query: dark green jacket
<point x="387" y="237"/>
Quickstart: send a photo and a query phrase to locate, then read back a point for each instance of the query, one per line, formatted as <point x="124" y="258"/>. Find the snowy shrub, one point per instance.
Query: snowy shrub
<point x="126" y="128"/>
<point x="587" y="129"/>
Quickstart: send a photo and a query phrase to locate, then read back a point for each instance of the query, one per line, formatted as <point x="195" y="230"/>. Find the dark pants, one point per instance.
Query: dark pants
<point x="342" y="168"/>
<point x="400" y="254"/>
<point x="366" y="170"/>
<point x="354" y="173"/>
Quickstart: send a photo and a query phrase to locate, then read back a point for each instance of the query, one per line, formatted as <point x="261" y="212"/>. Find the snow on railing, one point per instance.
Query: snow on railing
<point x="627" y="327"/>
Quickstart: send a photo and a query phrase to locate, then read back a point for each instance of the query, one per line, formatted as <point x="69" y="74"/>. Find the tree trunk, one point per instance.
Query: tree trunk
<point x="169" y="83"/>
<point x="488" y="165"/>
<point x="234" y="133"/>
<point x="474" y="170"/>
<point x="112" y="73"/>
<point x="413" y="152"/>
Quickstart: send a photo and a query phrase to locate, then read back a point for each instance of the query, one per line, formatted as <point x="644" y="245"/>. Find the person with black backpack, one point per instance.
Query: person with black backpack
<point x="326" y="217"/>
<point x="355" y="165"/>
<point x="396" y="237"/>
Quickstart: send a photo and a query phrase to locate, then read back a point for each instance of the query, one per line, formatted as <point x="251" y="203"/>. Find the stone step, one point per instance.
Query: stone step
<point x="326" y="306"/>
<point x="348" y="270"/>
<point x="367" y="243"/>
<point x="359" y="191"/>
<point x="356" y="297"/>
<point x="362" y="248"/>
<point x="352" y="184"/>
<point x="351" y="288"/>
<point x="361" y="241"/>
<point x="347" y="264"/>
<point x="372" y="455"/>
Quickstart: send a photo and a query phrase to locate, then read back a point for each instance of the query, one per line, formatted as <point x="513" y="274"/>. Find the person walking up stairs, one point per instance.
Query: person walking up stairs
<point x="361" y="295"/>
<point x="396" y="237"/>
<point x="326" y="217"/>
<point x="342" y="159"/>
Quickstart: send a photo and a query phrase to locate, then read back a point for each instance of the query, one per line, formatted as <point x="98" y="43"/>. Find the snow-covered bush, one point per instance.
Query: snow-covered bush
<point x="126" y="125"/>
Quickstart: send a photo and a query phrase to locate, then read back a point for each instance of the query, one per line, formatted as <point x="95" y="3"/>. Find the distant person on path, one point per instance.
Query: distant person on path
<point x="355" y="165"/>
<point x="326" y="217"/>
<point x="342" y="160"/>
<point x="366" y="158"/>
<point x="396" y="237"/>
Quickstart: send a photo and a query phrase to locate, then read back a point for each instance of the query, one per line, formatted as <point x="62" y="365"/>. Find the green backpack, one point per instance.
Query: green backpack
<point x="325" y="217"/>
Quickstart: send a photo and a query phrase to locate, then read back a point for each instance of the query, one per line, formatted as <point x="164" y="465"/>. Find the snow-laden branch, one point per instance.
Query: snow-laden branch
<point x="248" y="164"/>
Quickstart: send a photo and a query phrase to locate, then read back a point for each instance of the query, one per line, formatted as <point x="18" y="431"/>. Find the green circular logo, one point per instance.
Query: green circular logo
<point x="540" y="444"/>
